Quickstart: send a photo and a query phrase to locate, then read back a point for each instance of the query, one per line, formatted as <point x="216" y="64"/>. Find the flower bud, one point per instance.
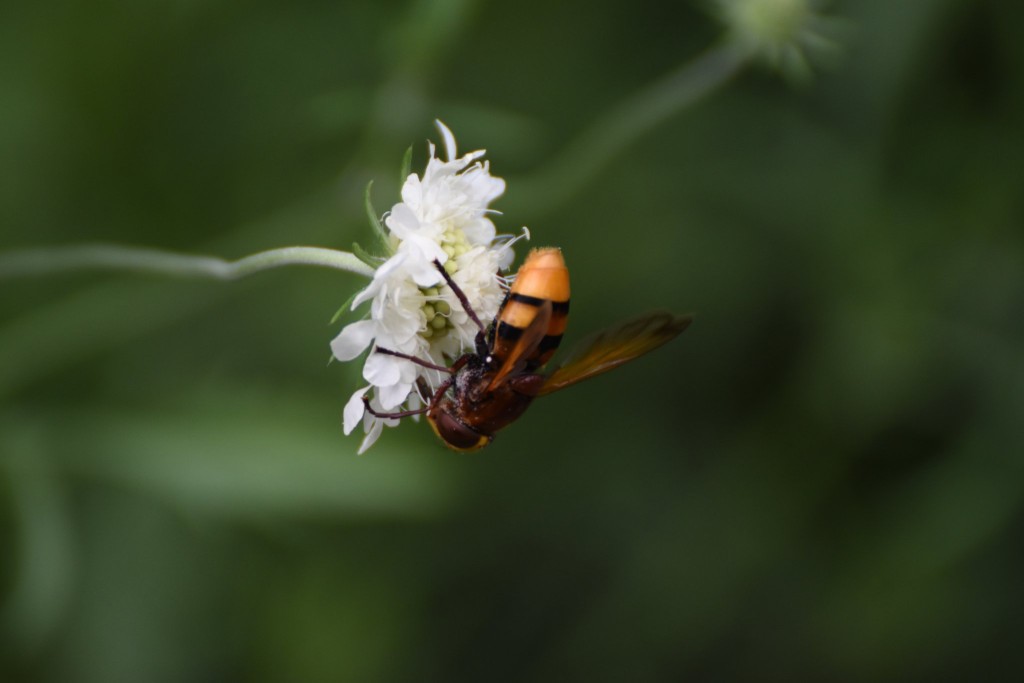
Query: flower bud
<point x="778" y="32"/>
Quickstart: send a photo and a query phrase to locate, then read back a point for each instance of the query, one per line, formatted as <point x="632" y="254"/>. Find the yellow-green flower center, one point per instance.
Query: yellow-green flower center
<point x="455" y="244"/>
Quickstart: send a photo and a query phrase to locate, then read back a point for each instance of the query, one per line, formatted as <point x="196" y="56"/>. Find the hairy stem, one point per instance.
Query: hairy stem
<point x="47" y="261"/>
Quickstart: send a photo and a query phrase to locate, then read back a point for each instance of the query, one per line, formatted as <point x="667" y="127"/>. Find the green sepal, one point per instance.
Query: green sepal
<point x="344" y="307"/>
<point x="365" y="256"/>
<point x="406" y="166"/>
<point x="378" y="227"/>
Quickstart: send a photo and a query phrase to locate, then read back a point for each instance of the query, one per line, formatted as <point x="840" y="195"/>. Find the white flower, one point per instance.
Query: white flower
<point x="443" y="217"/>
<point x="355" y="413"/>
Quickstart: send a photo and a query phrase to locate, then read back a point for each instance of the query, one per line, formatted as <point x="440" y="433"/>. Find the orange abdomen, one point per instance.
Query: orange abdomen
<point x="542" y="277"/>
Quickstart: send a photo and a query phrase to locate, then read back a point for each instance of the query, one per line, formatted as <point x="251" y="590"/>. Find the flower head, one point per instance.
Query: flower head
<point x="443" y="217"/>
<point x="782" y="33"/>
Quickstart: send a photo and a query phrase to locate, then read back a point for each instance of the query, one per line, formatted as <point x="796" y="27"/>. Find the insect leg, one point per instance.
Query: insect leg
<point x="443" y="387"/>
<point x="527" y="385"/>
<point x="414" y="359"/>
<point x="404" y="413"/>
<point x="446" y="385"/>
<point x="461" y="297"/>
<point x="459" y="362"/>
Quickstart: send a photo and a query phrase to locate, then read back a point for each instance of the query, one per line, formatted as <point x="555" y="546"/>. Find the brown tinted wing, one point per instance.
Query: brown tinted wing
<point x="525" y="346"/>
<point x="611" y="348"/>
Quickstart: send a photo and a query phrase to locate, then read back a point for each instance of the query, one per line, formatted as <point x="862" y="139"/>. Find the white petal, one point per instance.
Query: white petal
<point x="414" y="404"/>
<point x="381" y="370"/>
<point x="449" y="139"/>
<point x="480" y="187"/>
<point x="467" y="159"/>
<point x="394" y="395"/>
<point x="426" y="273"/>
<point x="354" y="410"/>
<point x="353" y="340"/>
<point x="402" y="221"/>
<point x="479" y="231"/>
<point x="371" y="436"/>
<point x="419" y="266"/>
<point x="365" y="295"/>
<point x="380" y="281"/>
<point x="422" y="246"/>
<point x="505" y="257"/>
<point x="412" y="192"/>
<point x="390" y="268"/>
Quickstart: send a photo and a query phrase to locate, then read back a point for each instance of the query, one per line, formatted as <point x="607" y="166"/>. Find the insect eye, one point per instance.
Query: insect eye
<point x="458" y="435"/>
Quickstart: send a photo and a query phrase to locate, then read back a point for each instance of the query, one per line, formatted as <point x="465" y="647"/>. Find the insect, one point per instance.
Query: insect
<point x="490" y="388"/>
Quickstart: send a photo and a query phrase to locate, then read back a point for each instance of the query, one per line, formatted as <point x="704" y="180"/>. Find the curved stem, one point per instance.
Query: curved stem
<point x="46" y="261"/>
<point x="623" y="124"/>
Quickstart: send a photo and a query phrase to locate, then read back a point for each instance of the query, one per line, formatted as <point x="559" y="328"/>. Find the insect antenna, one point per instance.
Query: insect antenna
<point x="461" y="296"/>
<point x="414" y="359"/>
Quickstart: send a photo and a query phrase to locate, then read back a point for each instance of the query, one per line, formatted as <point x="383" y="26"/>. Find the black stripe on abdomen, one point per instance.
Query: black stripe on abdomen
<point x="549" y="342"/>
<point x="509" y="332"/>
<point x="535" y="301"/>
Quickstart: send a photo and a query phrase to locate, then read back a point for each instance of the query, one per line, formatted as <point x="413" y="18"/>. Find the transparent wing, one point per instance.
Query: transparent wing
<point x="614" y="346"/>
<point x="525" y="346"/>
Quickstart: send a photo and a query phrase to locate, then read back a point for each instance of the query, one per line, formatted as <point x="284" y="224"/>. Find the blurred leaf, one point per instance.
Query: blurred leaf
<point x="244" y="461"/>
<point x="45" y="561"/>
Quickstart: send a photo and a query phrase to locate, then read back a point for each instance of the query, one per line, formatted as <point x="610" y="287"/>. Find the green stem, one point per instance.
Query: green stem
<point x="46" y="261"/>
<point x="597" y="145"/>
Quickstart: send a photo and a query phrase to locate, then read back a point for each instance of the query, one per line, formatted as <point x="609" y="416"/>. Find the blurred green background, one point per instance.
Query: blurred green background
<point x="822" y="479"/>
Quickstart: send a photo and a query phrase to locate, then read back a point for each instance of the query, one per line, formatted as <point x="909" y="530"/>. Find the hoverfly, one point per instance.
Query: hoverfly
<point x="488" y="389"/>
